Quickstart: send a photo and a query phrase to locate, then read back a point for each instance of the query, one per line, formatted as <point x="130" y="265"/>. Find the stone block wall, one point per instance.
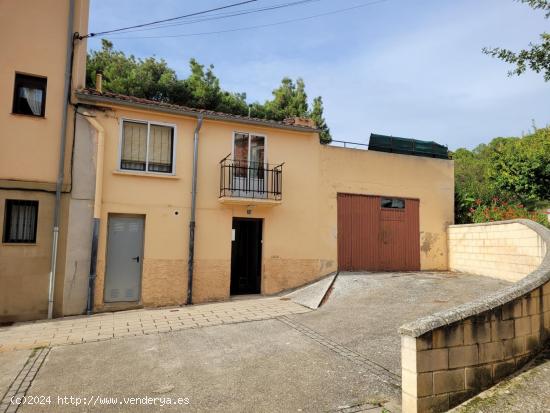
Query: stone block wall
<point x="452" y="355"/>
<point x="506" y="250"/>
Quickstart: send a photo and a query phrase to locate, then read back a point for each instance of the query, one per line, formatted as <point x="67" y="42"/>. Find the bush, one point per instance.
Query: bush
<point x="509" y="168"/>
<point x="501" y="210"/>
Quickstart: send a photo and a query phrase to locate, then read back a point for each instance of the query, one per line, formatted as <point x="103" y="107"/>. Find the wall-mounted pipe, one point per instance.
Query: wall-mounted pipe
<point x="98" y="194"/>
<point x="62" y="148"/>
<point x="190" y="262"/>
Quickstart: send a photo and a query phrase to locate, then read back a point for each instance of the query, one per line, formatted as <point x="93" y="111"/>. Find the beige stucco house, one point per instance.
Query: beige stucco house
<point x="168" y="205"/>
<point x="35" y="129"/>
<point x="270" y="204"/>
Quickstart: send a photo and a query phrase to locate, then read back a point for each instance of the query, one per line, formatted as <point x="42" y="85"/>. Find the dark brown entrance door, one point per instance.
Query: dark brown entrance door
<point x="246" y="256"/>
<point x="377" y="233"/>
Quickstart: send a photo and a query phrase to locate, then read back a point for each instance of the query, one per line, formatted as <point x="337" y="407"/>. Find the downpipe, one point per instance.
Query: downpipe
<point x="98" y="197"/>
<point x="62" y="147"/>
<point x="190" y="262"/>
<point x="53" y="265"/>
<point x="93" y="267"/>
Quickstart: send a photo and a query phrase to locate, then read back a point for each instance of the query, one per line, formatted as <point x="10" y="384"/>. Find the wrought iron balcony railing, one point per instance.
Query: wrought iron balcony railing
<point x="247" y="179"/>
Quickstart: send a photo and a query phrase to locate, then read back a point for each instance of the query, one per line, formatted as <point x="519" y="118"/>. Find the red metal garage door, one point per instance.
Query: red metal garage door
<point x="378" y="233"/>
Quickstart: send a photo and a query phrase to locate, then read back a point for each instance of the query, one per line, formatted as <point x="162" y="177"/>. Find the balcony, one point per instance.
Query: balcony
<point x="250" y="183"/>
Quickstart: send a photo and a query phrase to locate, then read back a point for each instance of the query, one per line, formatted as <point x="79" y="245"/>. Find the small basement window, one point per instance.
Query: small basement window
<point x="29" y="96"/>
<point x="147" y="147"/>
<point x="395" y="203"/>
<point x="20" y="221"/>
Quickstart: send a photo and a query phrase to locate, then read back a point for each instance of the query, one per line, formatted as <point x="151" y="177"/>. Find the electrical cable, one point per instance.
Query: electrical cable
<point x="337" y="11"/>
<point x="166" y="20"/>
<point x="220" y="16"/>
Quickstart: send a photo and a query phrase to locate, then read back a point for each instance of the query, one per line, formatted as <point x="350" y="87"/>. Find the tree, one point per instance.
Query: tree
<point x="521" y="166"/>
<point x="510" y="169"/>
<point x="153" y="79"/>
<point x="317" y="115"/>
<point x="289" y="99"/>
<point x="471" y="181"/>
<point x="536" y="58"/>
<point x="149" y="78"/>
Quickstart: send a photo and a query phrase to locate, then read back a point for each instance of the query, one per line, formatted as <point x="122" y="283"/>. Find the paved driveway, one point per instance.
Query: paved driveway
<point x="342" y="357"/>
<point x="365" y="310"/>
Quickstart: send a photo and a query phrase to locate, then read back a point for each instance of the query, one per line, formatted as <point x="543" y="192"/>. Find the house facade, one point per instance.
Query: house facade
<point x="271" y="205"/>
<point x="161" y="205"/>
<point x="35" y="130"/>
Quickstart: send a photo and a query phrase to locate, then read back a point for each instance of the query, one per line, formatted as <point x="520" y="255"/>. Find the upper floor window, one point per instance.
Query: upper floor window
<point x="147" y="146"/>
<point x="20" y="221"/>
<point x="29" y="97"/>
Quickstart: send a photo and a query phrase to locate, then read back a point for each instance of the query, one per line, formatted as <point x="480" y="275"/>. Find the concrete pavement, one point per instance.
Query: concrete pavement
<point x="364" y="311"/>
<point x="254" y="367"/>
<point x="10" y="365"/>
<point x="343" y="357"/>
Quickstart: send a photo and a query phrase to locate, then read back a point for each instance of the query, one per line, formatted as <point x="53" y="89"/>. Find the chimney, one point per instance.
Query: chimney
<point x="298" y="121"/>
<point x="99" y="81"/>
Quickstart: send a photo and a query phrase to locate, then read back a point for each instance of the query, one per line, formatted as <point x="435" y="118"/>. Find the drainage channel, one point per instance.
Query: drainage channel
<point x="19" y="386"/>
<point x="372" y="367"/>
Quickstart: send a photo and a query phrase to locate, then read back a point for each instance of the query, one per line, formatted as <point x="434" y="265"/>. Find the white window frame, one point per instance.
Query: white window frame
<point x="260" y="135"/>
<point x="148" y="123"/>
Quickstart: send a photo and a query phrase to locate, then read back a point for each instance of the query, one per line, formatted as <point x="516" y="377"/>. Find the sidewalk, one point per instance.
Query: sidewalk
<point x="107" y="326"/>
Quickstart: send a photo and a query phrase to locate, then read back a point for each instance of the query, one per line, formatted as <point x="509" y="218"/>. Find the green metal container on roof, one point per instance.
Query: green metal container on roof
<point x="404" y="146"/>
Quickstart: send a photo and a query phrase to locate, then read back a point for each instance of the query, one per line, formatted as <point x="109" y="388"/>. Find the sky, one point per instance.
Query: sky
<point x="409" y="68"/>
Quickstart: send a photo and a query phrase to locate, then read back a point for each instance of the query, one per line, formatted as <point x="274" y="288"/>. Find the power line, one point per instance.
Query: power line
<point x="167" y="20"/>
<point x="337" y="11"/>
<point x="225" y="15"/>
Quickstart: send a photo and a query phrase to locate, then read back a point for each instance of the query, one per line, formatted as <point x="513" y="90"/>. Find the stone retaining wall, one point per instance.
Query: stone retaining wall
<point x="452" y="355"/>
<point x="508" y="251"/>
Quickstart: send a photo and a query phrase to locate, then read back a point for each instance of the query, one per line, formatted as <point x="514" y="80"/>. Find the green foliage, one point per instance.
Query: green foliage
<point x="521" y="166"/>
<point x="538" y="4"/>
<point x="317" y="115"/>
<point x="471" y="180"/>
<point x="536" y="58"/>
<point x="153" y="79"/>
<point x="514" y="170"/>
<point x="148" y="78"/>
<point x="204" y="85"/>
<point x="289" y="99"/>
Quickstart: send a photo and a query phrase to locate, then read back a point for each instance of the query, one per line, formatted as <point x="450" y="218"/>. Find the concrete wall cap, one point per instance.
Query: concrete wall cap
<point x="489" y="224"/>
<point x="524" y="286"/>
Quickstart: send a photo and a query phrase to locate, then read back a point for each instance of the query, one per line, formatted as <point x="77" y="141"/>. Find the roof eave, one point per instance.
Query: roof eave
<point x="84" y="97"/>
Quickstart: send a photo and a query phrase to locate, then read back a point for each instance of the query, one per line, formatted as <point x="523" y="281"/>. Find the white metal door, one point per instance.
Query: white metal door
<point x="124" y="258"/>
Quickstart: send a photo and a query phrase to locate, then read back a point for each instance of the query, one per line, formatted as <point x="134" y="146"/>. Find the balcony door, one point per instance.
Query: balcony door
<point x="249" y="156"/>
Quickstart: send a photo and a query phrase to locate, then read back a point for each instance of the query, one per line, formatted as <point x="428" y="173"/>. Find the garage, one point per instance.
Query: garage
<point x="378" y="233"/>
